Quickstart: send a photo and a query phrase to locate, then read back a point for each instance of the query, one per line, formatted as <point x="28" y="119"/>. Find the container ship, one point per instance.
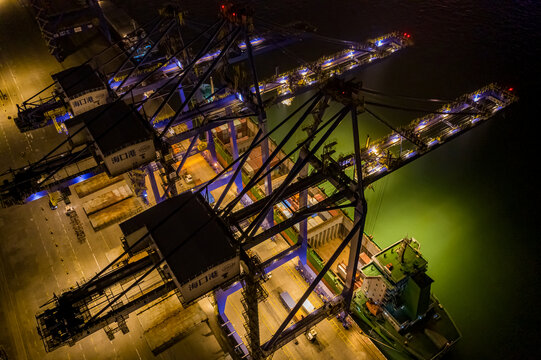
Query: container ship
<point x="395" y="305"/>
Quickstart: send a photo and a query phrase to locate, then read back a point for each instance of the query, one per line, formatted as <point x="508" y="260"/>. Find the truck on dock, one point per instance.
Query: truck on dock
<point x="306" y="309"/>
<point x="289" y="304"/>
<point x="307" y="306"/>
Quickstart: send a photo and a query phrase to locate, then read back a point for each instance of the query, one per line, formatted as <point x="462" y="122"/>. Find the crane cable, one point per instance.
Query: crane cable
<point x="376" y="92"/>
<point x="403" y="108"/>
<point x="379" y="202"/>
<point x="99" y="66"/>
<point x="288" y="31"/>
<point x="294" y="56"/>
<point x="44" y="158"/>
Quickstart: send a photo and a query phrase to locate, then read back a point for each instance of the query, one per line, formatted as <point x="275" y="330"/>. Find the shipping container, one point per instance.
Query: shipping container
<point x="287" y="300"/>
<point x="289" y="304"/>
<point x="342" y="272"/>
<point x="308" y="307"/>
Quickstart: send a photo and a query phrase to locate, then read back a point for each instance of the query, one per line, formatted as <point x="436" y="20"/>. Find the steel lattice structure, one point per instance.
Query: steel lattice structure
<point x="94" y="305"/>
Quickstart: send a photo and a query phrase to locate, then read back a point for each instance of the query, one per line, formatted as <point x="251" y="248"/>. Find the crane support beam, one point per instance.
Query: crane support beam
<point x="31" y="115"/>
<point x="279" y="336"/>
<point x="294" y="188"/>
<point x="330" y="309"/>
<point x="265" y="264"/>
<point x="432" y="129"/>
<point x="359" y="216"/>
<point x="108" y="279"/>
<point x="299" y="216"/>
<point x="64" y="325"/>
<point x="301" y="162"/>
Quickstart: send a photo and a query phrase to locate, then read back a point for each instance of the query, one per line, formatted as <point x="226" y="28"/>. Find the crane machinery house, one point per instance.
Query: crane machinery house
<point x="121" y="137"/>
<point x="197" y="247"/>
<point x="81" y="88"/>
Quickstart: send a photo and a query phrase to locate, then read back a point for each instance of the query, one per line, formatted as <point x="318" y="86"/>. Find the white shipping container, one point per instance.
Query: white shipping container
<point x="308" y="307"/>
<point x="342" y="271"/>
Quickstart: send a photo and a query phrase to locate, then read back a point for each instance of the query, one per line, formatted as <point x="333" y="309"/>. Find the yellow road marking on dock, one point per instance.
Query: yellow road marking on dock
<point x="302" y="284"/>
<point x="274" y="307"/>
<point x="267" y="325"/>
<point x="239" y="314"/>
<point x="341" y="333"/>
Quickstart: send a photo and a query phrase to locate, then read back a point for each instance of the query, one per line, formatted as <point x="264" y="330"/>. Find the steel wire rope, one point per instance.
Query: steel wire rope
<point x="186" y="73"/>
<point x="111" y="46"/>
<point x="203" y="78"/>
<point x="114" y="124"/>
<point x="292" y="32"/>
<point x="403" y="108"/>
<point x="170" y="25"/>
<point x="139" y="43"/>
<point x="379" y="202"/>
<point x="174" y="250"/>
<point x="245" y="154"/>
<point x="294" y="56"/>
<point x="110" y="105"/>
<point x="380" y="93"/>
<point x="165" y="257"/>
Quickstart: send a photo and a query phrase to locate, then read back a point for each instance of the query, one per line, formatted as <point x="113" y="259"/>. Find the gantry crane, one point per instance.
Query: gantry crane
<point x="94" y="310"/>
<point x="159" y="80"/>
<point x="95" y="304"/>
